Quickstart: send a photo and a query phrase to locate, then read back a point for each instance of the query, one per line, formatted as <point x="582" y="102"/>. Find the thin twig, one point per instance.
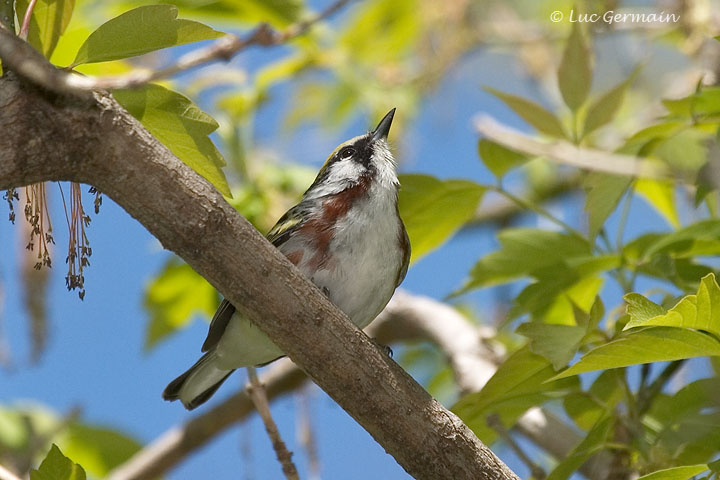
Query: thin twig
<point x="566" y="153"/>
<point x="494" y="422"/>
<point x="259" y="398"/>
<point x="222" y="49"/>
<point x="25" y="28"/>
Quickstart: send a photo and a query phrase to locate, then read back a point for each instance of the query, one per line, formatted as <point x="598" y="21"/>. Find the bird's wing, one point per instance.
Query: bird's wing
<point x="279" y="234"/>
<point x="288" y="224"/>
<point x="406" y="257"/>
<point x="217" y="325"/>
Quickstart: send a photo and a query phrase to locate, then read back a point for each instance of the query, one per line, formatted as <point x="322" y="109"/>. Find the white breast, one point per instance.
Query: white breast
<point x="366" y="256"/>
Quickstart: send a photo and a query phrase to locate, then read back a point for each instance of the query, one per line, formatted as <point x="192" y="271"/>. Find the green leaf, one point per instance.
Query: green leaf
<point x="701" y="238"/>
<point x="394" y="28"/>
<point x="181" y="126"/>
<point x="603" y="109"/>
<point x="498" y="159"/>
<point x="592" y="443"/>
<point x="654" y="344"/>
<point x="174" y="298"/>
<point x="141" y="30"/>
<point x="604" y="192"/>
<point x="57" y="466"/>
<point x="524" y="251"/>
<point x="701" y="104"/>
<point x="517" y="385"/>
<point x="660" y="194"/>
<point x="18" y="426"/>
<point x="98" y="449"/>
<point x="700" y="311"/>
<point x="587" y="408"/>
<point x="557" y="343"/>
<point x="641" y="309"/>
<point x="49" y="20"/>
<point x="676" y="473"/>
<point x="537" y="116"/>
<point x="685" y="150"/>
<point x="575" y="71"/>
<point x="689" y="401"/>
<point x="278" y="13"/>
<point x="561" y="288"/>
<point x="434" y="209"/>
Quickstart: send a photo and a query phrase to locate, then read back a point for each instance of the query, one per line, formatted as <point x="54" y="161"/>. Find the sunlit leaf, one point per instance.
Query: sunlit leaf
<point x="537" y="116"/>
<point x="578" y="298"/>
<point x="98" y="449"/>
<point x="434" y="209"/>
<point x="654" y="344"/>
<point x="641" y="309"/>
<point x="498" y="159"/>
<point x="57" y="466"/>
<point x="675" y="473"/>
<point x="49" y="20"/>
<point x="593" y="442"/>
<point x="575" y="71"/>
<point x="279" y="13"/>
<point x="604" y="192"/>
<point x="660" y="194"/>
<point x="181" y="126"/>
<point x="557" y="343"/>
<point x="524" y="251"/>
<point x="603" y="109"/>
<point x="700" y="311"/>
<point x="550" y="299"/>
<point x="141" y="30"/>
<point x="392" y="26"/>
<point x="174" y="298"/>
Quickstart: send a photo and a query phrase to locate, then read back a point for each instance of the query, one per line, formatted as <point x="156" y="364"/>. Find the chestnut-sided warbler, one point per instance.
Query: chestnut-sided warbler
<point x="345" y="235"/>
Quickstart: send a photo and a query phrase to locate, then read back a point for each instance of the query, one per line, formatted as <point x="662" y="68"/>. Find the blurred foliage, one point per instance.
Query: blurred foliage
<point x="560" y="288"/>
<point x="27" y="432"/>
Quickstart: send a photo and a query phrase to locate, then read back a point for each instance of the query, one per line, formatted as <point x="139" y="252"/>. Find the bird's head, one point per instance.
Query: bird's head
<point x="363" y="159"/>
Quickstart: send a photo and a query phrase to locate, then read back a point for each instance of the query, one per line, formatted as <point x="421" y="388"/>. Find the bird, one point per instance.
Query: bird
<point x="345" y="235"/>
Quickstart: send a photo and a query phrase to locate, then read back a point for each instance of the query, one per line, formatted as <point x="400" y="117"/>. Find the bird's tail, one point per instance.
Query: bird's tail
<point x="198" y="384"/>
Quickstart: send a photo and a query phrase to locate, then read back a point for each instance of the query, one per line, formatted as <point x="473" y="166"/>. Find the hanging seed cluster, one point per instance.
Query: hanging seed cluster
<point x="9" y="196"/>
<point x="41" y="233"/>
<point x="79" y="250"/>
<point x="37" y="215"/>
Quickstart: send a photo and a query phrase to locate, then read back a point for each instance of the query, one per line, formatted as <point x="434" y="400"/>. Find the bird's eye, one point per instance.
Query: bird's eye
<point x="347" y="152"/>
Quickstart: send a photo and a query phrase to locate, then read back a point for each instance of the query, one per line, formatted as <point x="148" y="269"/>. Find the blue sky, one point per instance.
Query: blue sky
<point x="95" y="358"/>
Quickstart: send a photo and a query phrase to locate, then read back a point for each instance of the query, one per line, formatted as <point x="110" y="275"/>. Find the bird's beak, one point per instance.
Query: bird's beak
<point x="383" y="128"/>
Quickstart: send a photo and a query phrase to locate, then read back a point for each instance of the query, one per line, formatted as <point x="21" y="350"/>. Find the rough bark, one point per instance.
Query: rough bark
<point x="48" y="136"/>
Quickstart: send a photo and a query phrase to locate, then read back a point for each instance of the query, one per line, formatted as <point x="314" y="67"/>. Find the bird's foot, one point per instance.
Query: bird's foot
<point x="385" y="348"/>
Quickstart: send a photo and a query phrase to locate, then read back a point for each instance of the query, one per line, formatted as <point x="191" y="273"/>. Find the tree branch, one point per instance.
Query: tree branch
<point x="259" y="398"/>
<point x="6" y="474"/>
<point x="93" y="140"/>
<point x="566" y="153"/>
<point x="223" y="49"/>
